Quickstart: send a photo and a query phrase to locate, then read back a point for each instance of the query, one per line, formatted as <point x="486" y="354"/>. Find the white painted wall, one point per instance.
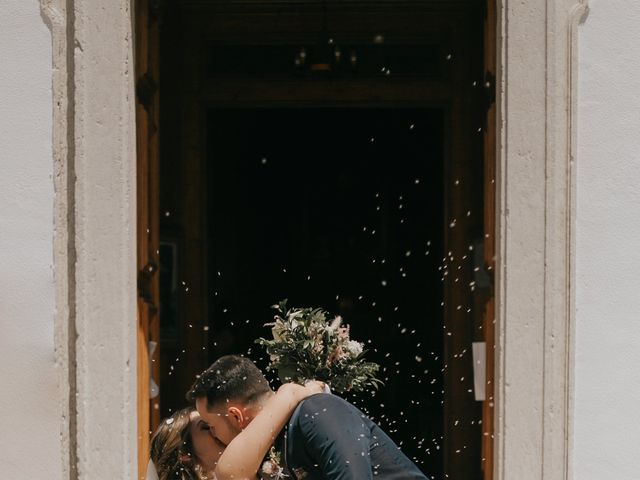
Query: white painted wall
<point x="607" y="384"/>
<point x="29" y="411"/>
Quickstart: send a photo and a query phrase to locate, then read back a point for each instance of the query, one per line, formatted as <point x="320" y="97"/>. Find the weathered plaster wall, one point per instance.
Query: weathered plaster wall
<point x="29" y="407"/>
<point x="104" y="310"/>
<point x="607" y="382"/>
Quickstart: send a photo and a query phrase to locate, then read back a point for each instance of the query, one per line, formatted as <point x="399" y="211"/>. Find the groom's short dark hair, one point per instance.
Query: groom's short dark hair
<point x="230" y="378"/>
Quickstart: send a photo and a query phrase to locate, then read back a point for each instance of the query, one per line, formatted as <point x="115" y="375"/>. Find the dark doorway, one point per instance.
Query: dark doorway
<point x="342" y="209"/>
<point x="271" y="187"/>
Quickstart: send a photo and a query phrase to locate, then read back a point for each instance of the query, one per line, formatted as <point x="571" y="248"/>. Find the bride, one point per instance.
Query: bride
<point x="184" y="447"/>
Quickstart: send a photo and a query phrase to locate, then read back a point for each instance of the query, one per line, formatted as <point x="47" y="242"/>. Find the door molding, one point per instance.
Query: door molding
<point x="94" y="155"/>
<point x="535" y="321"/>
<point x="95" y="235"/>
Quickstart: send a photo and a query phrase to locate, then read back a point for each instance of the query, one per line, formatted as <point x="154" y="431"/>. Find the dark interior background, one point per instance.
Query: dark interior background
<point x="341" y="209"/>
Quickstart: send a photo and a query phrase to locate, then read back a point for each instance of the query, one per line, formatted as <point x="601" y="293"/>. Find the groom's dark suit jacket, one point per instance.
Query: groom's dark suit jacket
<point x="327" y="438"/>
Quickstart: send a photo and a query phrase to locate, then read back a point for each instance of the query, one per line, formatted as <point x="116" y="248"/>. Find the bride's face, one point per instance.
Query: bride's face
<point x="206" y="447"/>
<point x="224" y="427"/>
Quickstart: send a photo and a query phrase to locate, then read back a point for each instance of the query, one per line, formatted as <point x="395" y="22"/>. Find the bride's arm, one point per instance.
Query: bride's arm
<point x="243" y="457"/>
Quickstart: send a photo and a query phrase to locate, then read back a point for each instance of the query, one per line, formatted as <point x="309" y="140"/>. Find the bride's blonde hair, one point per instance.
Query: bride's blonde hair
<point x="172" y="448"/>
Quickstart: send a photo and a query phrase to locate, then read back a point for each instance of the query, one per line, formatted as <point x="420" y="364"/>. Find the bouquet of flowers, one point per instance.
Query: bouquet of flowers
<point x="307" y="346"/>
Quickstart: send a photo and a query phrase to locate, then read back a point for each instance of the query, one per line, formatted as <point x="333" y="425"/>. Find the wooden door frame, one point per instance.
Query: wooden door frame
<point x="488" y="324"/>
<point x="147" y="71"/>
<point x="95" y="235"/>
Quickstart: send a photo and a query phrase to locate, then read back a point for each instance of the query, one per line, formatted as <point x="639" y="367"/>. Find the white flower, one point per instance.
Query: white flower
<point x="268" y="468"/>
<point x="354" y="348"/>
<point x="335" y="323"/>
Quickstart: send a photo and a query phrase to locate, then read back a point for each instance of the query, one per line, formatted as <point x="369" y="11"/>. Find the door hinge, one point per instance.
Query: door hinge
<point x="145" y="282"/>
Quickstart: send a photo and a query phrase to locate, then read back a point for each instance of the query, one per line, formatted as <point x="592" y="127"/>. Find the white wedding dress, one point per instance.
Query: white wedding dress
<point x="152" y="473"/>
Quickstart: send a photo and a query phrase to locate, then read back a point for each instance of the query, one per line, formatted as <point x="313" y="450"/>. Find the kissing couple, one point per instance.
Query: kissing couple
<point x="240" y="429"/>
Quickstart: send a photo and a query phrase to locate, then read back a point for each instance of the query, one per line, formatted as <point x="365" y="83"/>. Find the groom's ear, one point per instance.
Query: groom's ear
<point x="236" y="416"/>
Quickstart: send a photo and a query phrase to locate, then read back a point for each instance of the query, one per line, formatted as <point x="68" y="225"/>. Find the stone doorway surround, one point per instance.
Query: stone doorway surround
<point x="94" y="142"/>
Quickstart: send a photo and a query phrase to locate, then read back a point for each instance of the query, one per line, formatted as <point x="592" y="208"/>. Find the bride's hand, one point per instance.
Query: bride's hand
<point x="312" y="387"/>
<point x="300" y="392"/>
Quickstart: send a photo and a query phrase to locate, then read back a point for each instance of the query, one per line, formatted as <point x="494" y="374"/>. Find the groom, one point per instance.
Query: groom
<point x="326" y="437"/>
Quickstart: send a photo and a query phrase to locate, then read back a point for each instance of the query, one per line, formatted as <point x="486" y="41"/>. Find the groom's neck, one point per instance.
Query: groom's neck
<point x="262" y="401"/>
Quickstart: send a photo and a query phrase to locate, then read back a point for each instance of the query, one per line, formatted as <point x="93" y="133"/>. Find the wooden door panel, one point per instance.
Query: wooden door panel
<point x="147" y="105"/>
<point x="489" y="230"/>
